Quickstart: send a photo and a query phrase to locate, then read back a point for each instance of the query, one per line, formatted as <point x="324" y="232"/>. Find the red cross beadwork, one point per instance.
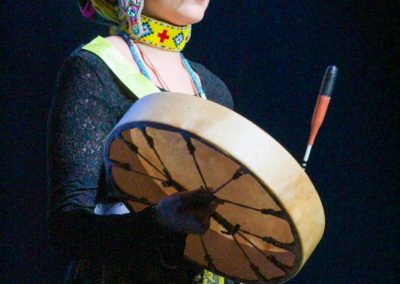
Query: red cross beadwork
<point x="163" y="36"/>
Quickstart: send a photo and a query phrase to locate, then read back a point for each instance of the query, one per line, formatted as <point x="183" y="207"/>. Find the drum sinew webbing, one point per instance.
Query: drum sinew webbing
<point x="254" y="235"/>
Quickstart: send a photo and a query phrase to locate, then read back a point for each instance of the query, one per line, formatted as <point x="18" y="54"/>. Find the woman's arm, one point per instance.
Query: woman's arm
<point x="82" y="115"/>
<point x="79" y="122"/>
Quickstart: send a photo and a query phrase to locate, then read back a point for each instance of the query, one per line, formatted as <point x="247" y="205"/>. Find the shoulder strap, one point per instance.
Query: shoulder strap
<point x="138" y="84"/>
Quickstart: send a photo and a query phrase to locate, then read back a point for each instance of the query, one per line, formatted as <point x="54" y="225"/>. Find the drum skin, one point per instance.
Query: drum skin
<point x="265" y="248"/>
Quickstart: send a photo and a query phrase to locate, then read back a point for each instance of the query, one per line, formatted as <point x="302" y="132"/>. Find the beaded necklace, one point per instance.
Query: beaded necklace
<point x="159" y="34"/>
<point x="143" y="70"/>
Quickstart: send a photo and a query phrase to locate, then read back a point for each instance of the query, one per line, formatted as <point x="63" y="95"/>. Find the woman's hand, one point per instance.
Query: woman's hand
<point x="186" y="212"/>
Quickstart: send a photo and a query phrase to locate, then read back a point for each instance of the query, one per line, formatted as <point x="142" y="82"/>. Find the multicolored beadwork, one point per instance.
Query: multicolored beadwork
<point x="133" y="9"/>
<point x="162" y="35"/>
<point x="195" y="79"/>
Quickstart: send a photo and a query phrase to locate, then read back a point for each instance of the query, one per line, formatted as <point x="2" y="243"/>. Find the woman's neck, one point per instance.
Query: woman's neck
<point x="158" y="54"/>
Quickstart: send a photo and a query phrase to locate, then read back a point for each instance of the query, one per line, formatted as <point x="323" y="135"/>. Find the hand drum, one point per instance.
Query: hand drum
<point x="270" y="217"/>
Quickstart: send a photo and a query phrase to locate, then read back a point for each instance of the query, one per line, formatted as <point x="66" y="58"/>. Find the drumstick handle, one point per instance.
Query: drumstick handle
<point x="321" y="106"/>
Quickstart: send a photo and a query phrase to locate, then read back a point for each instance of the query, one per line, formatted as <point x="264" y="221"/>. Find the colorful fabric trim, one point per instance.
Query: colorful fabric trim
<point x="106" y="12"/>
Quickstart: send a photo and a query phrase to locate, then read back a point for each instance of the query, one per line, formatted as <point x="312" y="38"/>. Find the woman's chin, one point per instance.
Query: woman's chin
<point x="182" y="14"/>
<point x="186" y="20"/>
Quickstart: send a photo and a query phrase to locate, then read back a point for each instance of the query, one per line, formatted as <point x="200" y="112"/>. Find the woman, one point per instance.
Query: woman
<point x="89" y="225"/>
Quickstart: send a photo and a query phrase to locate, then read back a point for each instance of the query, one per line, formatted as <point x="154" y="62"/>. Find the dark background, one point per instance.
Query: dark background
<point x="272" y="55"/>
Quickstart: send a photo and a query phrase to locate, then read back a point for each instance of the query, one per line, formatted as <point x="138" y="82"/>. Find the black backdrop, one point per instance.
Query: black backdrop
<point x="272" y="55"/>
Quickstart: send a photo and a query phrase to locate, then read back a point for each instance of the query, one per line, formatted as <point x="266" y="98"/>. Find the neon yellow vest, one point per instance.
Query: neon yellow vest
<point x="126" y="73"/>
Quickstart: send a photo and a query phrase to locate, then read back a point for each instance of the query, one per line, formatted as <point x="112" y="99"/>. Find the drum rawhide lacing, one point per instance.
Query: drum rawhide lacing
<point x="252" y="238"/>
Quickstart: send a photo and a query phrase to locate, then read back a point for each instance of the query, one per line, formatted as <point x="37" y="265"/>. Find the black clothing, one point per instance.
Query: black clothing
<point x="89" y="101"/>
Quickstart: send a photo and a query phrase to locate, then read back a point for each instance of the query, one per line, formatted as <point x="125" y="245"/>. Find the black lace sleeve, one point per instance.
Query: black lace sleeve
<point x="79" y="122"/>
